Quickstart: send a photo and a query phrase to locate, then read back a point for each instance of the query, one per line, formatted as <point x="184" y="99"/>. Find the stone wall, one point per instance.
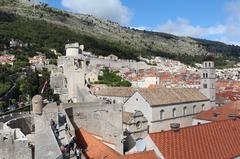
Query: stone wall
<point x="100" y="119"/>
<point x="11" y="148"/>
<point x="25" y="124"/>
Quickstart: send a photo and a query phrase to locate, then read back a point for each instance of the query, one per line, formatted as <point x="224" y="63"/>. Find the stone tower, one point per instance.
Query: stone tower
<point x="72" y="49"/>
<point x="37" y="104"/>
<point x="208" y="80"/>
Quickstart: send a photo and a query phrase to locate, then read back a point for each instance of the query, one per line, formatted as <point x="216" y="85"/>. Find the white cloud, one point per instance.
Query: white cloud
<point x="109" y="9"/>
<point x="228" y="31"/>
<point x="233" y="9"/>
<point x="182" y="27"/>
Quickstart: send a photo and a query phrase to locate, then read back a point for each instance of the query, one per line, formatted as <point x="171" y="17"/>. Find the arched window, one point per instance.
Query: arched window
<point x="206" y="65"/>
<point x="194" y="109"/>
<point x="161" y="114"/>
<point x="174" y="112"/>
<point x="203" y="75"/>
<point x="203" y="105"/>
<point x="114" y="101"/>
<point x="184" y="110"/>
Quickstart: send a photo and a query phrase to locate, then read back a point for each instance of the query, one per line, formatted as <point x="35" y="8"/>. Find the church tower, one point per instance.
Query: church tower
<point x="208" y="80"/>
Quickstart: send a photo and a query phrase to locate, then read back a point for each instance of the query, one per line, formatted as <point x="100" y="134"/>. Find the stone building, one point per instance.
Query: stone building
<point x="208" y="80"/>
<point x="91" y="75"/>
<point x="146" y="81"/>
<point x="69" y="80"/>
<point x="135" y="127"/>
<point x="102" y="120"/>
<point x="14" y="144"/>
<point x="112" y="57"/>
<point x="135" y="124"/>
<point x="163" y="106"/>
<point x="114" y="94"/>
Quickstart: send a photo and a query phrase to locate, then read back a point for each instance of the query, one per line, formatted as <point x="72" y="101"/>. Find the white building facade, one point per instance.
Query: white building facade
<point x="161" y="116"/>
<point x="114" y="94"/>
<point x="146" y="81"/>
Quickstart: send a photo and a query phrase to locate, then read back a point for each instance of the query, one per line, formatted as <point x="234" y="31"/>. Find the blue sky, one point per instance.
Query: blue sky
<point x="208" y="19"/>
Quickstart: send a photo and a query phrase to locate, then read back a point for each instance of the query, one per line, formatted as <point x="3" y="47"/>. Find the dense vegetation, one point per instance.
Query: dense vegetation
<point x="110" y="78"/>
<point x="4" y="87"/>
<point x="27" y="84"/>
<point x="42" y="36"/>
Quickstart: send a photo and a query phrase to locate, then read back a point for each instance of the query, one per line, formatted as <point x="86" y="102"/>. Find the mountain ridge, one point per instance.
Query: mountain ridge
<point x="120" y="40"/>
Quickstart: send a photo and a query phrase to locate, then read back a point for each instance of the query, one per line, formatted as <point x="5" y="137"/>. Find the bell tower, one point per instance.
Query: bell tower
<point x="208" y="80"/>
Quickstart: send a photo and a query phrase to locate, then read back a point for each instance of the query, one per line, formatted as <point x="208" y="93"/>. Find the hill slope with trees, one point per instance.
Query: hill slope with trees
<point x="45" y="28"/>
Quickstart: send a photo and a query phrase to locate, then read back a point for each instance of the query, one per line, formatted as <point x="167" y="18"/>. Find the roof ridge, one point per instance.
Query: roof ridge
<point x="201" y="125"/>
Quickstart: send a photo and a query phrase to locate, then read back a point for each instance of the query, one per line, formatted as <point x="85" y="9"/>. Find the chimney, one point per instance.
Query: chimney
<point x="232" y="116"/>
<point x="175" y="127"/>
<point x="216" y="114"/>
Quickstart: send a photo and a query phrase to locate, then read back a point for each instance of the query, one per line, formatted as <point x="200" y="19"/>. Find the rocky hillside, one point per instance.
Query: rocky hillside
<point x="51" y="28"/>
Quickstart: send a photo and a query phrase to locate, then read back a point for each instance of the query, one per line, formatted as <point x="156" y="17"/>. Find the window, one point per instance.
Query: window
<point x="209" y="64"/>
<point x="136" y="99"/>
<point x="205" y="64"/>
<point x="161" y="114"/>
<point x="174" y="112"/>
<point x="138" y="124"/>
<point x="184" y="110"/>
<point x="203" y="105"/>
<point x="114" y="101"/>
<point x="206" y="75"/>
<point x="194" y="109"/>
<point x="205" y="85"/>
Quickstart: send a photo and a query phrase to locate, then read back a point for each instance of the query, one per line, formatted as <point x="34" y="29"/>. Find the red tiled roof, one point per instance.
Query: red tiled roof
<point x="151" y="75"/>
<point x="95" y="149"/>
<point x="141" y="155"/>
<point x="152" y="86"/>
<point x="220" y="113"/>
<point x="233" y="96"/>
<point x="216" y="140"/>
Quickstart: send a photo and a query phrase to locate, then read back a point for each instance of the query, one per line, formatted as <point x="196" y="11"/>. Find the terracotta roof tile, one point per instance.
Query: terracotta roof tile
<point x="95" y="149"/>
<point x="164" y="96"/>
<point x="220" y="113"/>
<point x="141" y="155"/>
<point x="116" y="91"/>
<point x="216" y="140"/>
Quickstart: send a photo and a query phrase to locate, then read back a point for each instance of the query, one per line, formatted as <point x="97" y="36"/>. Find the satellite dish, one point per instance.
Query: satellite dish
<point x="140" y="145"/>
